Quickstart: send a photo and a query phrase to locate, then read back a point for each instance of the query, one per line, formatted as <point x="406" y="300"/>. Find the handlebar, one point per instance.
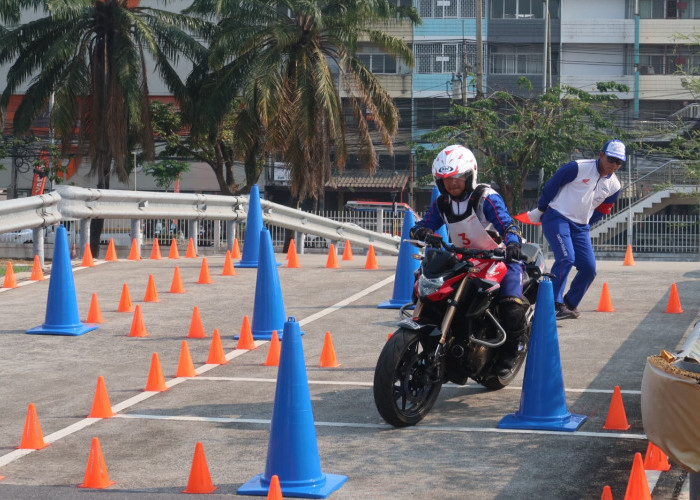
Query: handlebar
<point x="438" y="242"/>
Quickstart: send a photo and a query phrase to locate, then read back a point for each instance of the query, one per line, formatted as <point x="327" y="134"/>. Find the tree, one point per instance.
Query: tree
<point x="280" y="57"/>
<point x="166" y="171"/>
<point x="219" y="147"/>
<point x="91" y="56"/>
<point x="513" y="137"/>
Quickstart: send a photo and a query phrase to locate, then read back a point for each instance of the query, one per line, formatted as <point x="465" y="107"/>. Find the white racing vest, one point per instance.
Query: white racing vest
<point x="470" y="233"/>
<point x="578" y="199"/>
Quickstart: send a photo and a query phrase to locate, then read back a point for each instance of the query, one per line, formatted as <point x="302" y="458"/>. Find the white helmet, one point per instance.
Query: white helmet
<point x="455" y="161"/>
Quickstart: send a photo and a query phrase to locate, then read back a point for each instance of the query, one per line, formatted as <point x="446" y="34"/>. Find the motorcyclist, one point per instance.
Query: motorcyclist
<point x="477" y="218"/>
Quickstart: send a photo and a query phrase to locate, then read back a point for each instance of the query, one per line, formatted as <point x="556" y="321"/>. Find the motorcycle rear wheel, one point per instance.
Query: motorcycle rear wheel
<point x="404" y="385"/>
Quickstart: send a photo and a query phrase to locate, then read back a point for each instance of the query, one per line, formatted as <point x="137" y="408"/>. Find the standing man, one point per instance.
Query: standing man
<point x="579" y="194"/>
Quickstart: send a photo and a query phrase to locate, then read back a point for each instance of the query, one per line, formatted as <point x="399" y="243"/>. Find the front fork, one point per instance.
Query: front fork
<point x="445" y="327"/>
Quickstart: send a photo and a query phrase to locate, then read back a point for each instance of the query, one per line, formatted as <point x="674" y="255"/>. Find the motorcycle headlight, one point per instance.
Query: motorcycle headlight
<point x="426" y="286"/>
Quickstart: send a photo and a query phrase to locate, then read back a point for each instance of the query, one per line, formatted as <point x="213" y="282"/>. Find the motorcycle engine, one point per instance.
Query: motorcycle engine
<point x="478" y="355"/>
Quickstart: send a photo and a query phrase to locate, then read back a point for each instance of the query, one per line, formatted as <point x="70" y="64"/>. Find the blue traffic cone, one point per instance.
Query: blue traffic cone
<point x="254" y="223"/>
<point x="405" y="268"/>
<point x="443" y="229"/>
<point x="268" y="312"/>
<point x="62" y="317"/>
<point x="292" y="452"/>
<point x="542" y="400"/>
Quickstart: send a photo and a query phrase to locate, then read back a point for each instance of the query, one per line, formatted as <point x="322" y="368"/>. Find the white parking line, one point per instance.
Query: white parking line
<point x="369" y="384"/>
<point x="358" y="425"/>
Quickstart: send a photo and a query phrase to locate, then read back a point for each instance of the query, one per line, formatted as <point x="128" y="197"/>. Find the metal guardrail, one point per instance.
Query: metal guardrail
<point x="75" y="203"/>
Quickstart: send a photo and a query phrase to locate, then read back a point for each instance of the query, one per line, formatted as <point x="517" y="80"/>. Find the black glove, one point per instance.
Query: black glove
<point x="512" y="252"/>
<point x="421" y="233"/>
<point x="434" y="240"/>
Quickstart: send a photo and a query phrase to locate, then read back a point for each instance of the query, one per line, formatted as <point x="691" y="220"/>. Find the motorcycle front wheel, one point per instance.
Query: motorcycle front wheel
<point x="405" y="385"/>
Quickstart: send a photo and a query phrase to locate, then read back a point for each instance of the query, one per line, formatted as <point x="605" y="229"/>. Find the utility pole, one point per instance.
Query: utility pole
<point x="546" y="46"/>
<point x="465" y="66"/>
<point x="479" y="51"/>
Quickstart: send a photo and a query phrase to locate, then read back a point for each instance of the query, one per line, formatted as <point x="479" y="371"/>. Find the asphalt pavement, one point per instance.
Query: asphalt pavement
<point x="456" y="452"/>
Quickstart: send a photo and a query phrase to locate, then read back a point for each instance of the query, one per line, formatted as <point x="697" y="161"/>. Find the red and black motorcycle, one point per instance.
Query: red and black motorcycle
<point x="453" y="334"/>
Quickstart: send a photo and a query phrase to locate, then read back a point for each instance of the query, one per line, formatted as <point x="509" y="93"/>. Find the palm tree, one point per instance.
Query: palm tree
<point x="91" y="56"/>
<point x="281" y="57"/>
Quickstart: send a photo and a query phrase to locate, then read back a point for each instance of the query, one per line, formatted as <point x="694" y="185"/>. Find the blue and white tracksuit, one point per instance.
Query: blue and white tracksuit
<point x="572" y="199"/>
<point x="467" y="232"/>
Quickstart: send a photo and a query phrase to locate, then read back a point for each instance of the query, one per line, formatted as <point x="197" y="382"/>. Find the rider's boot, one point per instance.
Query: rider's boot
<point x="512" y="316"/>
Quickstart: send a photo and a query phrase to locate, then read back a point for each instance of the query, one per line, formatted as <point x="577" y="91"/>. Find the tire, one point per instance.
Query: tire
<point x="404" y="391"/>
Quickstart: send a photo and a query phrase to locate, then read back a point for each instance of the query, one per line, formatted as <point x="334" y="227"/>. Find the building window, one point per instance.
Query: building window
<point x="669" y="9"/>
<point x="449" y="8"/>
<point x="523" y="9"/>
<point x="379" y="63"/>
<point x="437" y="57"/>
<point x="668" y="60"/>
<point x="515" y="61"/>
<point x="430" y="112"/>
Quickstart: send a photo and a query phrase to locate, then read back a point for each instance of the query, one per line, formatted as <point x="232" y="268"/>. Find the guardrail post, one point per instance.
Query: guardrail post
<point x="380" y="220"/>
<point x="136" y="233"/>
<point x="230" y="234"/>
<point x="193" y="230"/>
<point x="38" y="243"/>
<point x="299" y="242"/>
<point x="84" y="236"/>
<point x="217" y="235"/>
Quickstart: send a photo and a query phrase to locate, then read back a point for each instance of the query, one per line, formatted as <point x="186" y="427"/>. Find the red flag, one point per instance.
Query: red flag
<point x="523" y="217"/>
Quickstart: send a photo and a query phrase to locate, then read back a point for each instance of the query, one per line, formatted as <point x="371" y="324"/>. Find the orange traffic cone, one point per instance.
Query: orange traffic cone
<point x="273" y="352"/>
<point x="37" y="271"/>
<point x="371" y="262"/>
<point x="629" y="258"/>
<point x="200" y="480"/>
<point x="292" y="257"/>
<point x="655" y="459"/>
<point x="204" y="276"/>
<point x="155" y="250"/>
<point x="196" y="328"/>
<point x="217" y="356"/>
<point x="134" y="252"/>
<point x="332" y="262"/>
<point x="138" y="328"/>
<point x="88" y="261"/>
<point x="96" y="472"/>
<point x="151" y="292"/>
<point x="607" y="494"/>
<point x="674" y="302"/>
<point x="125" y="304"/>
<point x="235" y="250"/>
<point x="637" y="486"/>
<point x="156" y="380"/>
<point x="347" y="251"/>
<point x="190" y="254"/>
<point x="328" y="359"/>
<point x="111" y="255"/>
<point x="174" y="254"/>
<point x="245" y="338"/>
<point x="32" y="438"/>
<point x="10" y="280"/>
<point x="176" y="286"/>
<point x="605" y="304"/>
<point x="185" y="367"/>
<point x="94" y="313"/>
<point x="617" y="419"/>
<point x="100" y="403"/>
<point x="275" y="492"/>
<point x="228" y="270"/>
